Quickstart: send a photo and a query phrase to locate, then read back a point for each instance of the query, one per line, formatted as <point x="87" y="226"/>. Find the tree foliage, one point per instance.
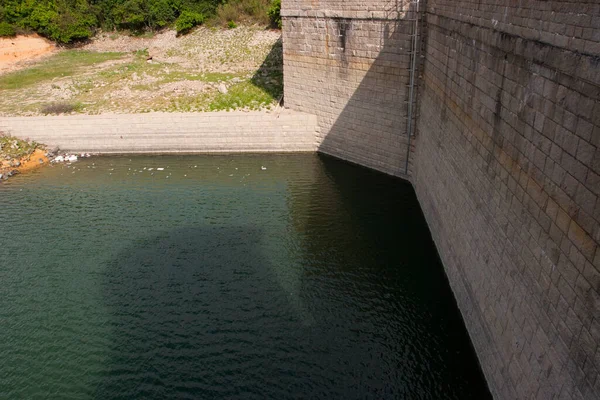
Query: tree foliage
<point x="274" y="13"/>
<point x="65" y="21"/>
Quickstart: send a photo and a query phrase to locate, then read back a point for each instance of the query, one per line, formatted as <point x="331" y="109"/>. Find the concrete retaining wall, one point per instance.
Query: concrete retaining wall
<point x="170" y="132"/>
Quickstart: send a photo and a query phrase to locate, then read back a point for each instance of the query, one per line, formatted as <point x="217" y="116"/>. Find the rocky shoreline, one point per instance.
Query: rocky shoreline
<point x="19" y="156"/>
<point x="10" y="166"/>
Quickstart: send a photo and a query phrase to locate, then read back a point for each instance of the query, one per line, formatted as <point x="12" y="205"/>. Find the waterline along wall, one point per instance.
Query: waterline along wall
<point x="505" y="159"/>
<point x="348" y="62"/>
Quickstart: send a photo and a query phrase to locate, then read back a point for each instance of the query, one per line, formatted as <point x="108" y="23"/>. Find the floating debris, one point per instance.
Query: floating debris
<point x="65" y="158"/>
<point x="263" y="168"/>
<point x="160" y="169"/>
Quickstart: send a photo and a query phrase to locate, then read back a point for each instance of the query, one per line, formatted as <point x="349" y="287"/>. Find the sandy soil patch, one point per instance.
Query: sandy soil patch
<point x="25" y="164"/>
<point x="17" y="52"/>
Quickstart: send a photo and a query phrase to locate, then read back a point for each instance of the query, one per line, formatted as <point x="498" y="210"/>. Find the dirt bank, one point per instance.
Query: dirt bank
<point x="19" y="156"/>
<point x="206" y="70"/>
<point x="15" y="53"/>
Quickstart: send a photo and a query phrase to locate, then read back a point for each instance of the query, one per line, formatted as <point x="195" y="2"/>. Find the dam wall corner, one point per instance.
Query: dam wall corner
<point x="505" y="160"/>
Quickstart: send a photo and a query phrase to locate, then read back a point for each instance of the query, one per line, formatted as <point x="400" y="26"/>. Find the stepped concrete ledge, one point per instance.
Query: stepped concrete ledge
<point x="214" y="132"/>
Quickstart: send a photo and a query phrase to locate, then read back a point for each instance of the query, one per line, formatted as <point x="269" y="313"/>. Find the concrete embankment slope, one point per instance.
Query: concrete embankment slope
<point x="283" y="131"/>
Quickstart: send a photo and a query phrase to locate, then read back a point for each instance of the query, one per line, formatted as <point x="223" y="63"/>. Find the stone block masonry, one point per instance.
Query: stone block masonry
<point x="224" y="132"/>
<point x="506" y="162"/>
<point x="507" y="170"/>
<point x="348" y="63"/>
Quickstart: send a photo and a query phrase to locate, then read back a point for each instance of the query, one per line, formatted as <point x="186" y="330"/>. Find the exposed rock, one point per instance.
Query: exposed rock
<point x="15" y="163"/>
<point x="222" y="88"/>
<point x="12" y="173"/>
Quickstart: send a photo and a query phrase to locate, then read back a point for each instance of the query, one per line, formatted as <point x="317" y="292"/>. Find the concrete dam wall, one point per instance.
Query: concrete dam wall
<point x="505" y="159"/>
<point x="348" y="63"/>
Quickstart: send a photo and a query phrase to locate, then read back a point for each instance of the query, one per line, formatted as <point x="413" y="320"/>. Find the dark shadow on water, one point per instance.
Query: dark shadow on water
<point x="206" y="311"/>
<point x="390" y="247"/>
<point x="184" y="306"/>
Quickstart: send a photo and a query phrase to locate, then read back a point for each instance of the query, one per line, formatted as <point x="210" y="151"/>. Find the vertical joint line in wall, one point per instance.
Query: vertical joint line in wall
<point x="413" y="73"/>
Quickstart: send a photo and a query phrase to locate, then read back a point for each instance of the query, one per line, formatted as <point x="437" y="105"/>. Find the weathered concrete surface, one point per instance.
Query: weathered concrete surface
<point x="348" y="63"/>
<point x="284" y="131"/>
<point x="507" y="170"/>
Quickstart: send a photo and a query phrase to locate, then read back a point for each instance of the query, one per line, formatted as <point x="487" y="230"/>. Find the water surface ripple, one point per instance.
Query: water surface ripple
<point x="217" y="278"/>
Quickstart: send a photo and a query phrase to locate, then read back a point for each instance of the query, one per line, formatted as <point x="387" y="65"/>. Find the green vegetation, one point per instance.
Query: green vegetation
<point x="274" y="13"/>
<point x="13" y="148"/>
<point x="207" y="70"/>
<point x="61" y="108"/>
<point x="187" y="20"/>
<point x="66" y="21"/>
<point x="65" y="63"/>
<point x="7" y="30"/>
<point x="241" y="95"/>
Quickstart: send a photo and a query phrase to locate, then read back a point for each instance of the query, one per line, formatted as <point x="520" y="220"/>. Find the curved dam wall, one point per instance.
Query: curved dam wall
<point x="505" y="160"/>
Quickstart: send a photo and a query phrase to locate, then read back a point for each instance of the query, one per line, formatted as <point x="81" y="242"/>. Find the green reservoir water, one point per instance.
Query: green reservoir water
<point x="214" y="278"/>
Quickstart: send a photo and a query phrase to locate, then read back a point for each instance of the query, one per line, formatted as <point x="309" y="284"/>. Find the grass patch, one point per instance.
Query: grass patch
<point x="242" y="95"/>
<point x="83" y="81"/>
<point x="66" y="63"/>
<point x="16" y="148"/>
<point x="176" y="76"/>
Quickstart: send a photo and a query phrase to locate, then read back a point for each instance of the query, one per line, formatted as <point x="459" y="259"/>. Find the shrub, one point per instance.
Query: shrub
<point x="68" y="27"/>
<point x="274" y="13"/>
<point x="187" y="20"/>
<point x="66" y="21"/>
<point x="253" y="11"/>
<point x="63" y="25"/>
<point x="231" y="24"/>
<point x="161" y="13"/>
<point x="130" y="15"/>
<point x="227" y="12"/>
<point x="60" y="108"/>
<point x="7" y="29"/>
